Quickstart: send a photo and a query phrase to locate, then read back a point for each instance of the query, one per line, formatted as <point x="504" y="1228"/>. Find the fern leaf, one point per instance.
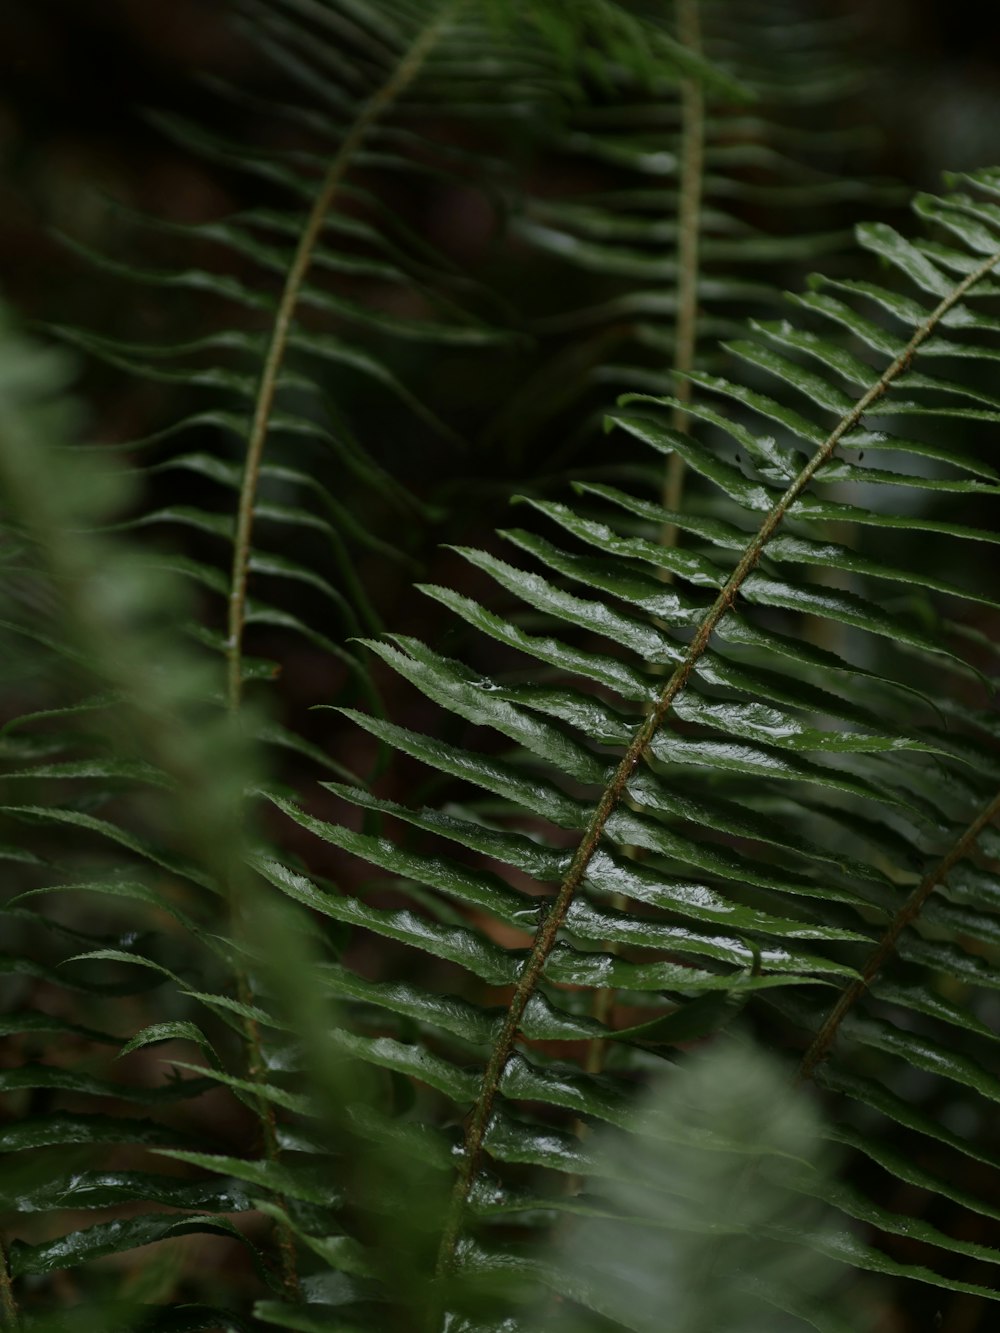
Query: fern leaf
<point x="589" y="759"/>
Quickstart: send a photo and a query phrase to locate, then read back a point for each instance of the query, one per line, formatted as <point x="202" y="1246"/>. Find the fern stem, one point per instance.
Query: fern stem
<point x="689" y="220"/>
<point x="269" y="1131"/>
<point x="545" y="938"/>
<point x="274" y="360"/>
<point x="685" y="343"/>
<point x="267" y="390"/>
<point x="877" y="959"/>
<point x="8" y="1303"/>
<point x="601" y="1010"/>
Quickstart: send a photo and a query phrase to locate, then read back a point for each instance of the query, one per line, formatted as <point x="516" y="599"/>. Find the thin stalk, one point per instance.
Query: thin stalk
<point x="481" y="1114"/>
<point x="8" y="1302"/>
<point x="281" y="331"/>
<point x="601" y="1010"/>
<point x="263" y="412"/>
<point x="689" y="233"/>
<point x="906" y="915"/>
<point x="257" y="1071"/>
<point x="685" y="344"/>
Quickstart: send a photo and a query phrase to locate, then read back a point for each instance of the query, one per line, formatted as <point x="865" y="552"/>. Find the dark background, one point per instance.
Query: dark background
<point x="77" y="75"/>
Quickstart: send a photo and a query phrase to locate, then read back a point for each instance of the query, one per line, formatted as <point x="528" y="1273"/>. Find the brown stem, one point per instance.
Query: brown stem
<point x="403" y="74"/>
<point x="257" y="1071"/>
<point x="8" y="1303"/>
<point x="689" y="232"/>
<point x="906" y="915"/>
<point x="685" y="342"/>
<point x="479" y="1119"/>
<point x="267" y="390"/>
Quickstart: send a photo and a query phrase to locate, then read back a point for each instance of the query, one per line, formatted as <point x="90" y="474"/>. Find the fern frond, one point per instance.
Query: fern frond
<point x="401" y="76"/>
<point x="675" y="792"/>
<point x="286" y="283"/>
<point x="158" y="702"/>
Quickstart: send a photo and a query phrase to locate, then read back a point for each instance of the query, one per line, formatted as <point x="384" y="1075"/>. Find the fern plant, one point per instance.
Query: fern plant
<point x="726" y="759"/>
<point x="845" y="749"/>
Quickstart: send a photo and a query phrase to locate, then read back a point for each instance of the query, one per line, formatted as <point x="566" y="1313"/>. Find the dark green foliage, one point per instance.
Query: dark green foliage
<point x="701" y="753"/>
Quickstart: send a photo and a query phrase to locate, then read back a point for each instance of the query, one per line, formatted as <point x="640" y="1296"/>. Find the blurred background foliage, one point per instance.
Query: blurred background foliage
<point x="79" y="80"/>
<point x="79" y="77"/>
